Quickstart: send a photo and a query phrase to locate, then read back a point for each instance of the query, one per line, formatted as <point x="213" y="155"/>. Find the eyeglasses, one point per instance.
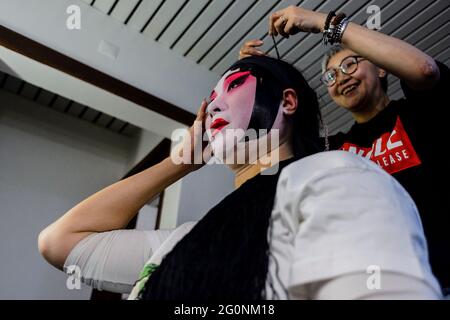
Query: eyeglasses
<point x="348" y="66"/>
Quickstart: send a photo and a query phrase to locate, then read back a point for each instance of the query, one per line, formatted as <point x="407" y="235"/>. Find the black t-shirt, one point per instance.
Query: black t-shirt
<point x="409" y="139"/>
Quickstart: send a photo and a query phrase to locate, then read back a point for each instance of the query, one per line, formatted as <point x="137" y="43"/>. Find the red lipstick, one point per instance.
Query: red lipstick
<point x="218" y="125"/>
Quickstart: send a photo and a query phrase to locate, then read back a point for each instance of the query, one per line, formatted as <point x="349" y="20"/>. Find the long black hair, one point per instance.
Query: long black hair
<point x="226" y="255"/>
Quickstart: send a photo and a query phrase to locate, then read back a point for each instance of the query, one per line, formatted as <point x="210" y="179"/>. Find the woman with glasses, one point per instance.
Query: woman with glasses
<point x="408" y="137"/>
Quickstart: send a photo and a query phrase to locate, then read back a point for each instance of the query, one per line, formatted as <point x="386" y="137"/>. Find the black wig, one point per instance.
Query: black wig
<point x="226" y="255"/>
<point x="274" y="76"/>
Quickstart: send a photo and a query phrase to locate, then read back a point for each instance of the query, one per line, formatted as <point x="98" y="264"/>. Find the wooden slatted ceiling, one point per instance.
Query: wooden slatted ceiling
<point x="64" y="105"/>
<point x="210" y="32"/>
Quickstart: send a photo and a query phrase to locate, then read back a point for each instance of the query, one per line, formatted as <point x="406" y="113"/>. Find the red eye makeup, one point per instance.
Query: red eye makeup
<point x="213" y="96"/>
<point x="235" y="79"/>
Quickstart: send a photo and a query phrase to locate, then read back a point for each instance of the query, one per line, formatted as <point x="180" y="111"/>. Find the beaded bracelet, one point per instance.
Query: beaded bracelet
<point x="336" y="22"/>
<point x="338" y="19"/>
<point x="330" y="16"/>
<point x="326" y="28"/>
<point x="333" y="34"/>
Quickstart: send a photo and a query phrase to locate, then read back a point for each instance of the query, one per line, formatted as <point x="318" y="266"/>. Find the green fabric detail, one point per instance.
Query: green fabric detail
<point x="148" y="270"/>
<point x="145" y="275"/>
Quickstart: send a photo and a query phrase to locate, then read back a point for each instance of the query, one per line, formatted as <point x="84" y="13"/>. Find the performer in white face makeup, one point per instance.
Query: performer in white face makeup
<point x="230" y="109"/>
<point x="234" y="116"/>
<point x="232" y="102"/>
<point x="310" y="231"/>
<point x="246" y="105"/>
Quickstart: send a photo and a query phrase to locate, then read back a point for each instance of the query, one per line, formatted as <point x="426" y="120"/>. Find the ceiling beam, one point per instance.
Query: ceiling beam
<point x="45" y="55"/>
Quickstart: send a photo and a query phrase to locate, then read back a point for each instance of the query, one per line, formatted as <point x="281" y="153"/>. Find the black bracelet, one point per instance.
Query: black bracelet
<point x="337" y="27"/>
<point x="326" y="28"/>
<point x="335" y="31"/>
<point x="330" y="16"/>
<point x="338" y="19"/>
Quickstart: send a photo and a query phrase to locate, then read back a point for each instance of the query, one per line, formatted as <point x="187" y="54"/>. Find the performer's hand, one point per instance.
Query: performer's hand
<point x="193" y="141"/>
<point x="293" y="20"/>
<point x="250" y="48"/>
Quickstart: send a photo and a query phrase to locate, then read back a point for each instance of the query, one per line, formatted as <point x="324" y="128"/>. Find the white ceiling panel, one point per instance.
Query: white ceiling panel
<point x="221" y="27"/>
<point x="123" y="9"/>
<point x="230" y="38"/>
<point x="166" y="14"/>
<point x="188" y="15"/>
<point x="144" y="11"/>
<point x="104" y="5"/>
<point x="259" y="31"/>
<point x="201" y="26"/>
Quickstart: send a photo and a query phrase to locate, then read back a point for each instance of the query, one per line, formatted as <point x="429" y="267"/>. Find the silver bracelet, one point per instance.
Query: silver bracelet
<point x="330" y="33"/>
<point x="342" y="26"/>
<point x="334" y="33"/>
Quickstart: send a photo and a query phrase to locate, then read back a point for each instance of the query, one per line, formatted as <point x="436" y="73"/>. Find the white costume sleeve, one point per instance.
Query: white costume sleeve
<point x="337" y="214"/>
<point x="112" y="260"/>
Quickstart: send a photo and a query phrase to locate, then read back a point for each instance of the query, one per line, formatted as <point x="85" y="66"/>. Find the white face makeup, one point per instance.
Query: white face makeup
<point x="230" y="109"/>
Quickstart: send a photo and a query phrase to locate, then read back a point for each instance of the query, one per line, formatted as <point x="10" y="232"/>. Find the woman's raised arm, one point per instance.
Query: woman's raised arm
<point x="395" y="56"/>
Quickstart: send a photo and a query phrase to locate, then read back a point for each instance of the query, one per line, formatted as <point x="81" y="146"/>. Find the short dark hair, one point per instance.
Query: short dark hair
<point x="338" y="48"/>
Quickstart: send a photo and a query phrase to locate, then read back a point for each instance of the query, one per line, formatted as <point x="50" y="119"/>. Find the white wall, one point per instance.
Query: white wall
<point x="146" y="141"/>
<point x="48" y="163"/>
<point x="203" y="189"/>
